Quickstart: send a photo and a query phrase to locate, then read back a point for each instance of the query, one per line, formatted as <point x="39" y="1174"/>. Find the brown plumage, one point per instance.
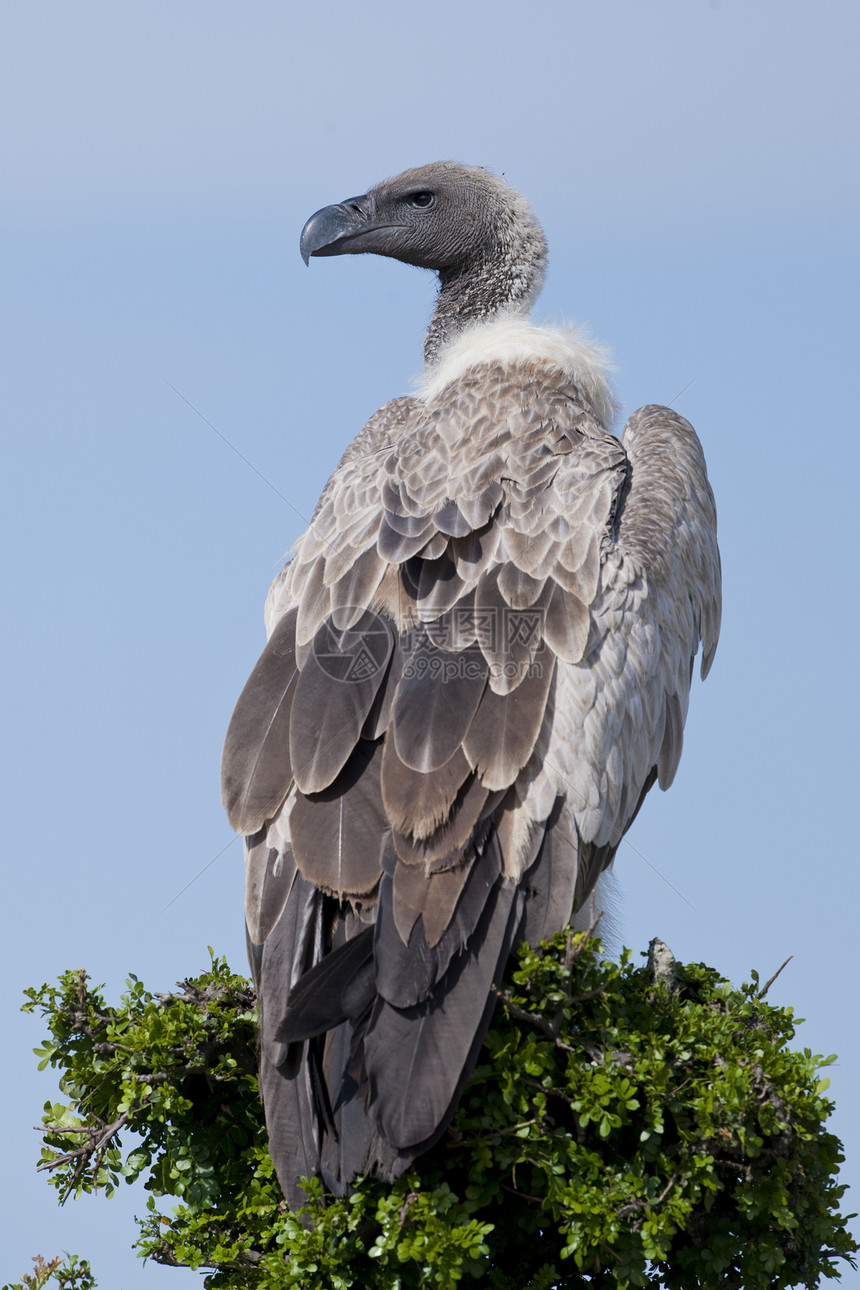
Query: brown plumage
<point x="479" y="662"/>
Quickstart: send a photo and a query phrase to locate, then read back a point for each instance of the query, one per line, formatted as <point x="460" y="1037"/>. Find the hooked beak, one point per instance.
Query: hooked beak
<point x="345" y="229"/>
<point x="329" y="231"/>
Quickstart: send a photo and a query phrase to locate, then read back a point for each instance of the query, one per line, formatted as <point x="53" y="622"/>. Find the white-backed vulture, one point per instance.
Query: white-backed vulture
<point x="479" y="661"/>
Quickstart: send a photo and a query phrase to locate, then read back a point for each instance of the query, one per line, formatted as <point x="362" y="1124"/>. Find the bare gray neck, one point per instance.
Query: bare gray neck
<point x="507" y="280"/>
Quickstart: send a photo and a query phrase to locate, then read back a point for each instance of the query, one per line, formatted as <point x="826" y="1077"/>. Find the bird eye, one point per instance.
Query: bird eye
<point x="422" y="200"/>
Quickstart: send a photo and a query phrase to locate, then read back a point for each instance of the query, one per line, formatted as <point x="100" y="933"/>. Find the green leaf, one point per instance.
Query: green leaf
<point x="668" y="1139"/>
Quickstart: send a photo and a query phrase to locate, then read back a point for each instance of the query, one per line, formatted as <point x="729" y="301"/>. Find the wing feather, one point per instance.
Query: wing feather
<point x="416" y="1059"/>
<point x="437" y="546"/>
<point x="417" y="803"/>
<point x="353" y="593"/>
<point x="269" y="876"/>
<point x="549" y="887"/>
<point x="437" y="696"/>
<point x="255" y="764"/>
<point x="421" y="926"/>
<point x="354" y="1146"/>
<point x="336" y="832"/>
<point x="673" y="741"/>
<point x="315" y="604"/>
<point x="519" y="589"/>
<point x="504" y="731"/>
<point x="396" y="548"/>
<point x="509" y="638"/>
<point x="567" y="625"/>
<point x="442" y="848"/>
<point x="333" y="698"/>
<point x="326" y="995"/>
<point x="439" y="587"/>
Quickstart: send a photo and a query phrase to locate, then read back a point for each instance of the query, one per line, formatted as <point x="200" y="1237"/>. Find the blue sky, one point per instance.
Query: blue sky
<point x="694" y="164"/>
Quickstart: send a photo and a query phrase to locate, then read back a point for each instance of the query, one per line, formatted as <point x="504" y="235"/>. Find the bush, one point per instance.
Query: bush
<point x="623" y="1129"/>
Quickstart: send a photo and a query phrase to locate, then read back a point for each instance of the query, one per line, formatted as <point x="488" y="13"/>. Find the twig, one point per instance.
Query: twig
<point x="406" y="1206"/>
<point x="523" y="1195"/>
<point x="763" y="991"/>
<point x="589" y="994"/>
<point x="100" y="1134"/>
<point x="168" y="1259"/>
<point x="549" y="1028"/>
<point x="642" y="1203"/>
<point x="59" y="1129"/>
<point x="515" y="1128"/>
<point x="571" y="954"/>
<point x="100" y="1138"/>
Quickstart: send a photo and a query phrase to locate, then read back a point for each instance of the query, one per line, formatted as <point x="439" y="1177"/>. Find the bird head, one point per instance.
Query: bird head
<point x="443" y="216"/>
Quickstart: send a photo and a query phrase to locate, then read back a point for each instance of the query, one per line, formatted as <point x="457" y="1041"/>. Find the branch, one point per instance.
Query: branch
<point x="571" y="954"/>
<point x="99" y="1140"/>
<point x="549" y="1028"/>
<point x="642" y="1203"/>
<point x="763" y="991"/>
<point x="167" y="1258"/>
<point x="552" y="1029"/>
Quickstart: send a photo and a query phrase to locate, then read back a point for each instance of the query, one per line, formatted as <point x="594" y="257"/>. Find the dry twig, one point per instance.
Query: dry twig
<point x="763" y="991"/>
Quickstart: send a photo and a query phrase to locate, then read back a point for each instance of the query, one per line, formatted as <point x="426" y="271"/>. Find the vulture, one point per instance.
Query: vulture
<point x="479" y="661"/>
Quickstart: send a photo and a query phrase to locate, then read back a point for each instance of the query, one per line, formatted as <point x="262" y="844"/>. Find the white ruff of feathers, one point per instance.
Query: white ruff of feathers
<point x="512" y="340"/>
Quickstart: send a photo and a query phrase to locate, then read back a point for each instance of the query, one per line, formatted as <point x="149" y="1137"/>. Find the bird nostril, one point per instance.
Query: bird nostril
<point x="356" y="205"/>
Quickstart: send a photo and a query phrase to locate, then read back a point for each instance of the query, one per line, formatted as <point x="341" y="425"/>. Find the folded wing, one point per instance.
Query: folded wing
<point x="479" y="660"/>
